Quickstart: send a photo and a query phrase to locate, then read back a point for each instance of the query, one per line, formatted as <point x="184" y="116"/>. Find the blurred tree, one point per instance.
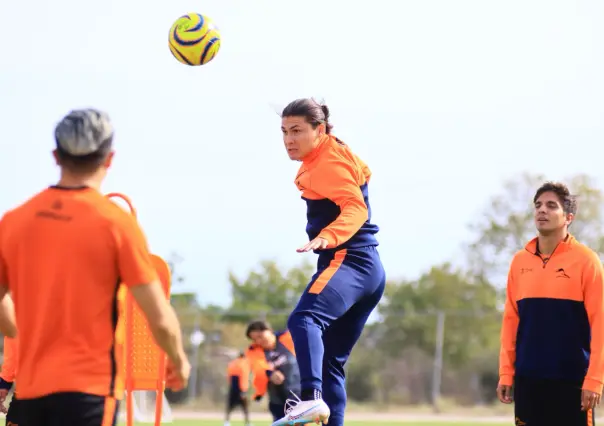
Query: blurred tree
<point x="365" y="365"/>
<point x="184" y="301"/>
<point x="173" y="260"/>
<point x="506" y="225"/>
<point x="407" y="339"/>
<point x="471" y="323"/>
<point x="269" y="293"/>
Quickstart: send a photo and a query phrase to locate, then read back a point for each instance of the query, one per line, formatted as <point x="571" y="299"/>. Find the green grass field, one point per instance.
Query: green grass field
<point x="348" y="423"/>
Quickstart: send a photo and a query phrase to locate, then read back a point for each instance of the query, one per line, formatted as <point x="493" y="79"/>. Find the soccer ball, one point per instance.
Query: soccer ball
<point x="194" y="39"/>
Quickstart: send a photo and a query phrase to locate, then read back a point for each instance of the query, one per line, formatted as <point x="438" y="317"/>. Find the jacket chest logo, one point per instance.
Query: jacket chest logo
<point x="558" y="272"/>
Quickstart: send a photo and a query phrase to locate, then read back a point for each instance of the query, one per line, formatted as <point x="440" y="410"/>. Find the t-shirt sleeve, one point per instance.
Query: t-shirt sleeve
<point x="134" y="260"/>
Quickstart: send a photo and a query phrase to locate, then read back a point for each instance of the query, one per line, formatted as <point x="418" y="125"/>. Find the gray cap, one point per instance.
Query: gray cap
<point x="83" y="131"/>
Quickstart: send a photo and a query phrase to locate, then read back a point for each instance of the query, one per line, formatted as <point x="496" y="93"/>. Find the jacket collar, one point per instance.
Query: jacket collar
<point x="563" y="246"/>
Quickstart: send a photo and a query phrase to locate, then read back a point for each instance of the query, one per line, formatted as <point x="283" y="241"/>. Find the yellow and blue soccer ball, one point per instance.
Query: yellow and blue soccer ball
<point x="194" y="39"/>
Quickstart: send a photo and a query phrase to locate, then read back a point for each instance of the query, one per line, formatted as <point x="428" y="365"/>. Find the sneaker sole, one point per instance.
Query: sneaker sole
<point x="318" y="420"/>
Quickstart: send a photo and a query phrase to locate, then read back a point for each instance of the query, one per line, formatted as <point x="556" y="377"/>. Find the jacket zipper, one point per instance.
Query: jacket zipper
<point x="547" y="259"/>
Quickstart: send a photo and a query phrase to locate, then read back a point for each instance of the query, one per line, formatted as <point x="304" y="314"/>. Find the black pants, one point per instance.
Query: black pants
<point x="540" y="402"/>
<point x="13" y="414"/>
<point x="236" y="400"/>
<point x="277" y="410"/>
<point x="68" y="409"/>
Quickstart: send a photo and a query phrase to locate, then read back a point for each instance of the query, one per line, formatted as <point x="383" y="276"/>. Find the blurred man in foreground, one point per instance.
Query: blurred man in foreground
<point x="63" y="255"/>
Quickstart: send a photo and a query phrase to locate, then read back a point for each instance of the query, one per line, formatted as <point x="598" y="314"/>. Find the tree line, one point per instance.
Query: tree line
<point x="394" y="362"/>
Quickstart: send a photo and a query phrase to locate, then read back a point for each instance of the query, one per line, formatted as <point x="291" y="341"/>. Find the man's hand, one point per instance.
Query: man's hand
<point x="177" y="378"/>
<point x="277" y="377"/>
<point x="589" y="400"/>
<point x="316" y="244"/>
<point x="8" y="322"/>
<point x="3" y="394"/>
<point x="504" y="393"/>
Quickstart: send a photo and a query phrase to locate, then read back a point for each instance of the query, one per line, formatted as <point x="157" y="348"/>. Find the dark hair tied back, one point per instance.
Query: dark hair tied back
<point x="313" y="112"/>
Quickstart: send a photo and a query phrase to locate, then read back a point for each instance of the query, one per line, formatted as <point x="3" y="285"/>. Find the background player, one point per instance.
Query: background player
<point x="63" y="254"/>
<point x="274" y="365"/>
<point x="552" y="339"/>
<point x="8" y="373"/>
<point x="238" y="374"/>
<point x="350" y="278"/>
<point x="7" y="379"/>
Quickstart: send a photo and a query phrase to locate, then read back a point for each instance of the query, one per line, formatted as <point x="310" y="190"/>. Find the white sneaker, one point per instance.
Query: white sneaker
<point x="299" y="412"/>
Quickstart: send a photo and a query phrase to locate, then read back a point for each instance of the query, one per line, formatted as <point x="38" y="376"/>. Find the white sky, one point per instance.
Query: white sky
<point x="443" y="99"/>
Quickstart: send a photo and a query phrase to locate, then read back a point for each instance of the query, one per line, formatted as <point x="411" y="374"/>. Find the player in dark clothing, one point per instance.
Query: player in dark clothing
<point x="7" y="379"/>
<point x="274" y="366"/>
<point x="238" y="372"/>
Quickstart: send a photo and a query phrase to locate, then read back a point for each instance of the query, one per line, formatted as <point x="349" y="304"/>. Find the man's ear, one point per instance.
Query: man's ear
<point x="55" y="155"/>
<point x="109" y="160"/>
<point x="322" y="129"/>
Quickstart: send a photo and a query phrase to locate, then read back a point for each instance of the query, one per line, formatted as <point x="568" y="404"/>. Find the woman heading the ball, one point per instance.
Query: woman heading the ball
<point x="350" y="278"/>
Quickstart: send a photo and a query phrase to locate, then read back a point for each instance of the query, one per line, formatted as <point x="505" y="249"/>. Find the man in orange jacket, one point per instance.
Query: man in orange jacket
<point x="552" y="338"/>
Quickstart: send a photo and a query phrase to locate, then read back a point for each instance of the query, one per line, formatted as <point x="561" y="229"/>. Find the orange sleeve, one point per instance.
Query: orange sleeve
<point x="9" y="365"/>
<point x="507" y="354"/>
<point x="134" y="260"/>
<point x="259" y="368"/>
<point x="593" y="295"/>
<point x="335" y="180"/>
<point x="261" y="379"/>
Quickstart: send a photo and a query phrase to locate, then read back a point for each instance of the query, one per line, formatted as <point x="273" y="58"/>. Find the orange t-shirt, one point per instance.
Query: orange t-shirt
<point x="240" y="368"/>
<point x="63" y="255"/>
